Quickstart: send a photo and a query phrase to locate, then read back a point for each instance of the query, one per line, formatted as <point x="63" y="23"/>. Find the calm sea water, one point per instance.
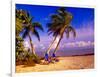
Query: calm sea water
<point x="70" y="52"/>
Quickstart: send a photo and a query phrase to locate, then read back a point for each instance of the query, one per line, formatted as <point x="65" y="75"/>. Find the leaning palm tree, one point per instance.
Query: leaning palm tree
<point x="30" y="28"/>
<point x="60" y="24"/>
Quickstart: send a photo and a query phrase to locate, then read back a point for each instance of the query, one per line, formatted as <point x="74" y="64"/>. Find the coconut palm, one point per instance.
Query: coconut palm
<point x="60" y="24"/>
<point x="30" y="28"/>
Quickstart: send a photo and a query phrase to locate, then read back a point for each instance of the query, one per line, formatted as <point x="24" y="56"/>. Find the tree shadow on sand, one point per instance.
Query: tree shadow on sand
<point x="26" y="63"/>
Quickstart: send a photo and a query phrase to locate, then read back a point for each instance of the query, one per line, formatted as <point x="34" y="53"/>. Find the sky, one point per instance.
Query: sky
<point x="83" y="22"/>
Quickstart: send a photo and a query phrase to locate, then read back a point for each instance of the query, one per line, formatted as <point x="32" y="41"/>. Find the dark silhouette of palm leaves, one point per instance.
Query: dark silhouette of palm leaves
<point x="60" y="24"/>
<point x="29" y="28"/>
<point x="60" y="21"/>
<point x="70" y="29"/>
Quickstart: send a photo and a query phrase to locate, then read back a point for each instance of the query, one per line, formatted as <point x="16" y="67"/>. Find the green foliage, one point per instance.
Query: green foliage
<point x="30" y="26"/>
<point x="60" y="24"/>
<point x="25" y="25"/>
<point x="19" y="48"/>
<point x="19" y="40"/>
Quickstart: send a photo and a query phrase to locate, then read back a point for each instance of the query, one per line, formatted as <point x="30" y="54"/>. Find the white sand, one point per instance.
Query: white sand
<point x="65" y="63"/>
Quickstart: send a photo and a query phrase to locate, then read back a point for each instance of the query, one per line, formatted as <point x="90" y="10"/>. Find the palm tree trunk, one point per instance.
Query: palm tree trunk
<point x="32" y="49"/>
<point x="62" y="32"/>
<point x="57" y="44"/>
<point x="51" y="45"/>
<point x="36" y="58"/>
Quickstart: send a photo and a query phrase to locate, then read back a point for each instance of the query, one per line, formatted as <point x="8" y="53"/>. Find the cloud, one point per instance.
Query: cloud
<point x="42" y="46"/>
<point x="26" y="44"/>
<point x="84" y="31"/>
<point x="78" y="44"/>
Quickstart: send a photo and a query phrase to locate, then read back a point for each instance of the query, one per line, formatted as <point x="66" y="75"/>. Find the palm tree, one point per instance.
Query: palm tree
<point x="59" y="25"/>
<point x="30" y="28"/>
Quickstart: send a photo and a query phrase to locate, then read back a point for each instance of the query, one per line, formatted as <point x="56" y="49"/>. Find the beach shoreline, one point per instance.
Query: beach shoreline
<point x="65" y="63"/>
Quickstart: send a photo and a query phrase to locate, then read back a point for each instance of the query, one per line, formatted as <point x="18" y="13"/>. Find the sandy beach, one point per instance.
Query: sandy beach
<point x="65" y="63"/>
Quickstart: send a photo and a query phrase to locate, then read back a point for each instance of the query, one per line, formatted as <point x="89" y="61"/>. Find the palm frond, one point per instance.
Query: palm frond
<point x="48" y="25"/>
<point x="25" y="34"/>
<point x="56" y="18"/>
<point x="54" y="26"/>
<point x="70" y="29"/>
<point x="37" y="25"/>
<point x="73" y="31"/>
<point x="36" y="34"/>
<point x="50" y="32"/>
<point x="67" y="33"/>
<point x="56" y="32"/>
<point x="61" y="11"/>
<point x="30" y="19"/>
